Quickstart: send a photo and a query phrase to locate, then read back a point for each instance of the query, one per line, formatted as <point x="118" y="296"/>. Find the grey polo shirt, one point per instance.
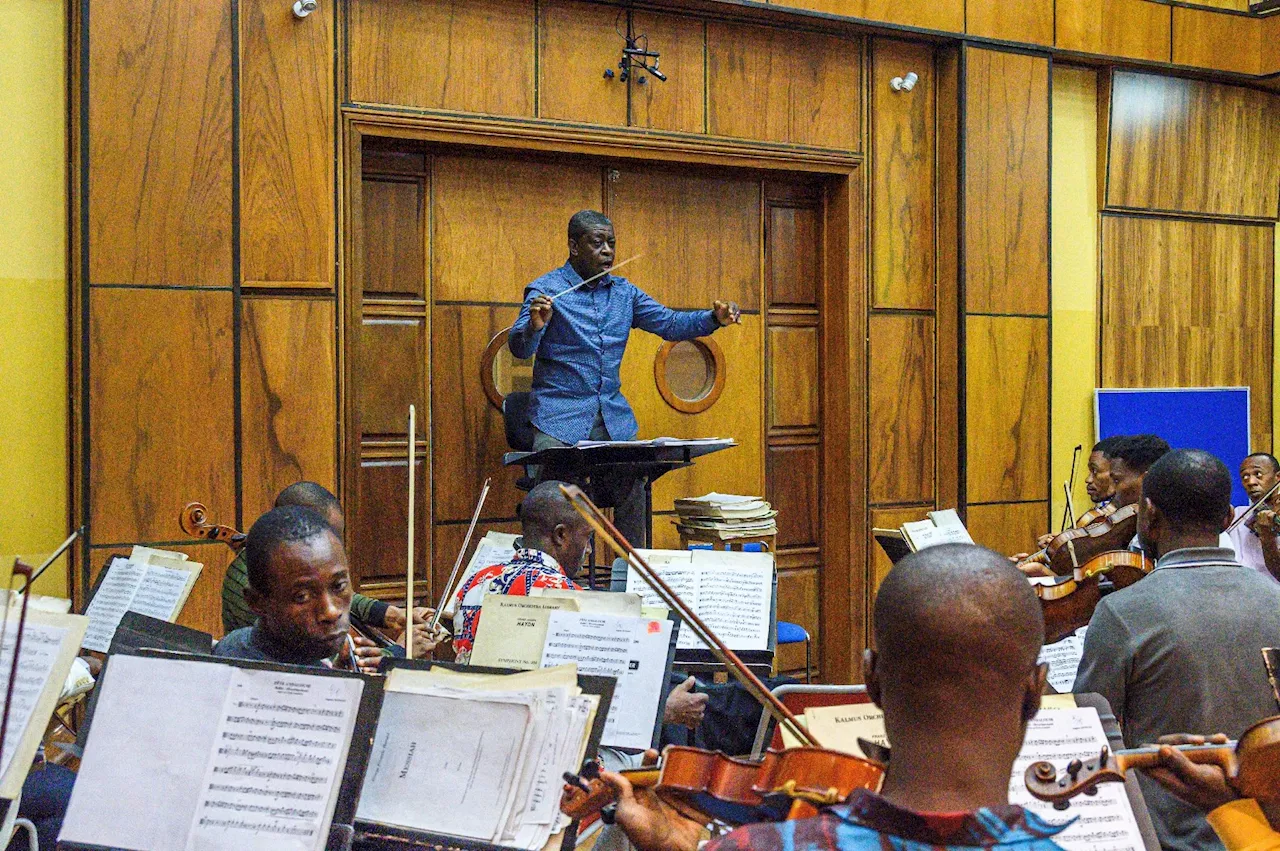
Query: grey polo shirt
<point x="1179" y="652"/>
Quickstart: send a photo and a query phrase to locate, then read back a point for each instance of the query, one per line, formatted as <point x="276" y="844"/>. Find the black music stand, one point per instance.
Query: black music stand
<point x="598" y="463"/>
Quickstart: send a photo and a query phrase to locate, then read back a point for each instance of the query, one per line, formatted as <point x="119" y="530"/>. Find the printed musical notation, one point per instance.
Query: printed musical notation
<point x="41" y="644"/>
<point x="731" y="592"/>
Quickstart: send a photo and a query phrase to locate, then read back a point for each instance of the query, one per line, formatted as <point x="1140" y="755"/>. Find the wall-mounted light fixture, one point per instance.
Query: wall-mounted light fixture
<point x="635" y="56"/>
<point x="302" y="8"/>
<point x="905" y="84"/>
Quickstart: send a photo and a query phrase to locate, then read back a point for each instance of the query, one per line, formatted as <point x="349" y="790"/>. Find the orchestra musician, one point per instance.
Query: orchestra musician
<point x="957" y="635"/>
<point x="578" y="329"/>
<point x="1255" y="540"/>
<point x="1178" y="650"/>
<point x="1098" y="483"/>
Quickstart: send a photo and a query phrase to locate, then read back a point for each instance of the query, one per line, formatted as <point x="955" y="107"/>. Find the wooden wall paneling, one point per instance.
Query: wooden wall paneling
<point x="880" y="565"/>
<point x="394" y="254"/>
<point x="288" y="397"/>
<point x="159" y="156"/>
<point x="947" y="251"/>
<point x="377" y="541"/>
<point x="680" y="103"/>
<point x="1023" y="21"/>
<point x="1271" y="47"/>
<point x="793" y="400"/>
<point x="287" y="145"/>
<point x="392" y="374"/>
<point x="902" y="177"/>
<point x="699" y="234"/>
<point x="1007" y="408"/>
<point x="203" y="609"/>
<point x="1008" y="528"/>
<point x="1133" y="29"/>
<point x="1189" y="304"/>
<point x="468" y="430"/>
<point x="798" y="591"/>
<point x="1211" y="151"/>
<point x="1206" y="39"/>
<point x="784" y="86"/>
<point x="738" y="414"/>
<point x="793" y="480"/>
<point x="1006" y="191"/>
<point x="459" y="55"/>
<point x="518" y="210"/>
<point x="577" y="42"/>
<point x="944" y="15"/>
<point x="161" y="433"/>
<point x="792" y="276"/>
<point x="900" y="388"/>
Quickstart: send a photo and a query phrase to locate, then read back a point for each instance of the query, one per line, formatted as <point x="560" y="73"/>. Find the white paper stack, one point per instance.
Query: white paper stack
<point x="726" y="516"/>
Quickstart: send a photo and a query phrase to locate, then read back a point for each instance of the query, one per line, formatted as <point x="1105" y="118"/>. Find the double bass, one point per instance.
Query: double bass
<point x="710" y="787"/>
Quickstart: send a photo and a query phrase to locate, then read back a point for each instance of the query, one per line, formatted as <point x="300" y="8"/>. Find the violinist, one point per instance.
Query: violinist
<point x="1255" y="540"/>
<point x="956" y="674"/>
<point x="1097" y="484"/>
<point x="1177" y="651"/>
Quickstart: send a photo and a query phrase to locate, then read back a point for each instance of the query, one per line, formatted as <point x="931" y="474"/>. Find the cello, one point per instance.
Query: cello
<point x="709" y="787"/>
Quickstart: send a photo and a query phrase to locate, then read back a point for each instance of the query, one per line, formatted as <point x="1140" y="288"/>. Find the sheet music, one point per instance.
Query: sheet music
<point x="631" y="649"/>
<point x="159" y="592"/>
<point x="734" y="603"/>
<point x="111" y="602"/>
<point x="1063" y="658"/>
<point x="281" y="747"/>
<point x="1105" y="822"/>
<point x="840" y="727"/>
<point x="41" y="645"/>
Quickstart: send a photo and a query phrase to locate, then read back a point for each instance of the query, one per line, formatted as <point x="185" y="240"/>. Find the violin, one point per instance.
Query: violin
<point x="1093" y="515"/>
<point x="1068" y="601"/>
<point x="710" y="787"/>
<point x="1252" y="766"/>
<point x="1074" y="547"/>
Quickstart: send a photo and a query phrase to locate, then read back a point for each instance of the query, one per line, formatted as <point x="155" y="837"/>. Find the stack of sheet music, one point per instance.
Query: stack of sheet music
<point x="487" y="751"/>
<point x="726" y="517"/>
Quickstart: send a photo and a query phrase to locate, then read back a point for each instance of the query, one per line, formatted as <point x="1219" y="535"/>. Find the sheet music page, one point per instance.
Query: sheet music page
<point x="160" y="592"/>
<point x="681" y="576"/>
<point x="111" y="602"/>
<point x="41" y="645"/>
<point x="922" y="534"/>
<point x="633" y="650"/>
<point x="281" y="747"/>
<point x="1063" y="658"/>
<point x="596" y="602"/>
<point x="1105" y="821"/>
<point x="952" y="527"/>
<point x="840" y="727"/>
<point x="493" y="548"/>
<point x="734" y="602"/>
<point x="512" y="630"/>
<point x="460" y="753"/>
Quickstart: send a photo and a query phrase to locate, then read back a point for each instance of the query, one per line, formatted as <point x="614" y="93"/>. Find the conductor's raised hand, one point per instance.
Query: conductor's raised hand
<point x="727" y="313"/>
<point x="540" y="312"/>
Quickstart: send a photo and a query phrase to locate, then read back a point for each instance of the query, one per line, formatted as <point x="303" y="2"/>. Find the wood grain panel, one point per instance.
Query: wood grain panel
<point x="947" y="251"/>
<point x="1207" y="39"/>
<point x="798" y="602"/>
<point x="393" y="210"/>
<point x="462" y="417"/>
<point x="161" y="432"/>
<point x="1134" y="29"/>
<point x="885" y="518"/>
<point x="792" y="259"/>
<point x="288" y="395"/>
<point x="392" y="361"/>
<point x="1192" y="146"/>
<point x="1024" y="21"/>
<point x="1006" y="183"/>
<point x="738" y="414"/>
<point x="1188" y="304"/>
<point x="160" y="150"/>
<point x="1007" y="528"/>
<point x="793" y="389"/>
<point x="902" y="177"/>
<point x="576" y="43"/>
<point x="462" y="55"/>
<point x="203" y="609"/>
<point x="793" y="486"/>
<point x="944" y="15"/>
<point x="286" y="137"/>
<point x="518" y="210"/>
<point x="377" y="541"/>
<point x="900" y="423"/>
<point x="699" y="234"/>
<point x="680" y="103"/>
<point x="783" y="86"/>
<point x="1007" y="408"/>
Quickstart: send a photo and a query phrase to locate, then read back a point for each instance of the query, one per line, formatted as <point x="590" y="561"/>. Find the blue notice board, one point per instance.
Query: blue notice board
<point x="1215" y="419"/>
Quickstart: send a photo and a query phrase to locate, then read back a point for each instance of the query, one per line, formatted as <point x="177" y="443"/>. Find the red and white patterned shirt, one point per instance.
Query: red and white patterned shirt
<point x="528" y="568"/>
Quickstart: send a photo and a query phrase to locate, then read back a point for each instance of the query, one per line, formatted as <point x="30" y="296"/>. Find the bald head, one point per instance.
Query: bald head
<point x="549" y="522"/>
<point x="955" y="624"/>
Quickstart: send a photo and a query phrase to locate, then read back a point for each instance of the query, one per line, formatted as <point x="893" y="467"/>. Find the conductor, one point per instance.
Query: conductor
<point x="579" y="333"/>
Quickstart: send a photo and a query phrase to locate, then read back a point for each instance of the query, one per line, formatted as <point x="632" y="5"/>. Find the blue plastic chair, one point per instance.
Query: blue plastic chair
<point x="794" y="633"/>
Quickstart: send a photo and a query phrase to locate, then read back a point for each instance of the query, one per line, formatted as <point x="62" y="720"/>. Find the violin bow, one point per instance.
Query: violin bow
<point x="457" y="563"/>
<point x="1271" y="661"/>
<point x="615" y="539"/>
<point x="24" y="570"/>
<point x="1068" y="512"/>
<point x="1266" y="496"/>
<point x="408" y="591"/>
<point x="62" y="548"/>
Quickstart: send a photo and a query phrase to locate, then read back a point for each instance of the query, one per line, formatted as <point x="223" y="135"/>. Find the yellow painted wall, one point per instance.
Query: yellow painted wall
<point x="1075" y="276"/>
<point x="33" y="291"/>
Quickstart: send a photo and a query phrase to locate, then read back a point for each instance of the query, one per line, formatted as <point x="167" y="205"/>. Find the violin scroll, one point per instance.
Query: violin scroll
<point x="1078" y="778"/>
<point x="194" y="521"/>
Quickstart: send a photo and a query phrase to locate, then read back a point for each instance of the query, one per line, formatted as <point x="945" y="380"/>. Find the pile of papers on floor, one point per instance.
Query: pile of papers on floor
<point x="725" y="517"/>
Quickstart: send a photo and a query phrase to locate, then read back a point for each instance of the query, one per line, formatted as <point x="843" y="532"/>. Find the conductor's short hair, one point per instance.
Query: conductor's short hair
<point x="1190" y="487"/>
<point x="584" y="220"/>
<point x="279" y="526"/>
